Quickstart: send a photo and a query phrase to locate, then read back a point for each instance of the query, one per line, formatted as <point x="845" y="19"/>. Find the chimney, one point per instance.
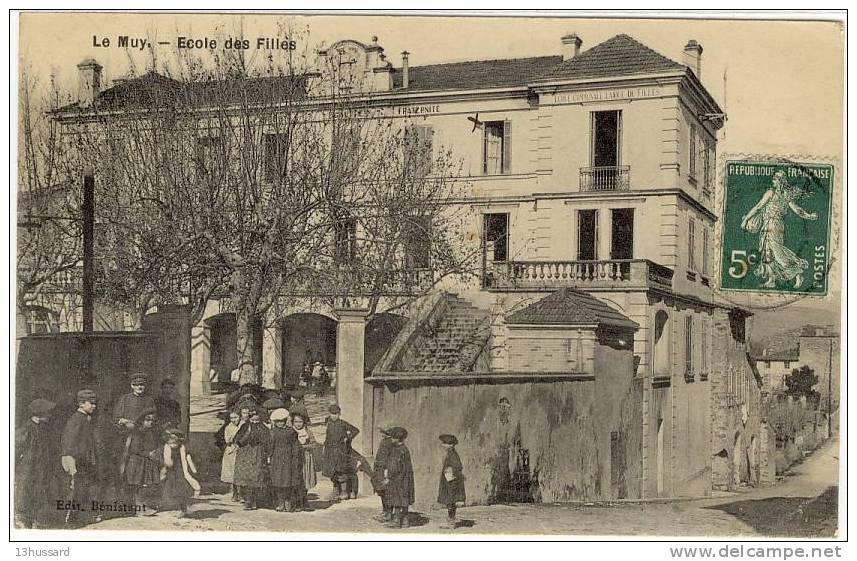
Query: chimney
<point x="88" y="82"/>
<point x="693" y="57"/>
<point x="571" y="46"/>
<point x="405" y="75"/>
<point x="373" y="54"/>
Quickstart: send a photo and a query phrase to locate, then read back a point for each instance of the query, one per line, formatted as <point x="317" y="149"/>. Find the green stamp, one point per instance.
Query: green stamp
<point x="776" y="227"/>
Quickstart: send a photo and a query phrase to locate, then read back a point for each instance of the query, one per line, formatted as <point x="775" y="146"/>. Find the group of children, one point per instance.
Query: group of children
<point x="156" y="462"/>
<point x="267" y="455"/>
<point x="393" y="479"/>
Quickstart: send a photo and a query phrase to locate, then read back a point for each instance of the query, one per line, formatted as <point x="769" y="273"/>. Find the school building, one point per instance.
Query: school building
<point x="592" y="359"/>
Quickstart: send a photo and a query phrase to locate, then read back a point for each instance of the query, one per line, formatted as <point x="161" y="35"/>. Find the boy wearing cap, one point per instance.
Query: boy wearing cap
<point x="378" y="480"/>
<point x="399" y="476"/>
<point x="339" y="464"/>
<point x="450" y="490"/>
<point x="78" y="454"/>
<point x="33" y="454"/>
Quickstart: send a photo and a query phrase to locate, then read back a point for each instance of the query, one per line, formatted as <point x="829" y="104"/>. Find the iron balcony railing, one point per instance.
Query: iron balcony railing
<point x="605" y="178"/>
<point x="551" y="275"/>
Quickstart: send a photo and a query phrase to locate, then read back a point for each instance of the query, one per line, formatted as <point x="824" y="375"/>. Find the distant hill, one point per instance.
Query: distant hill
<point x="778" y="330"/>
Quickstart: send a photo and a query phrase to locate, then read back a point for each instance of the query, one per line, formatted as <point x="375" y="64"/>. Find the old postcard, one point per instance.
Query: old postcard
<point x="428" y="274"/>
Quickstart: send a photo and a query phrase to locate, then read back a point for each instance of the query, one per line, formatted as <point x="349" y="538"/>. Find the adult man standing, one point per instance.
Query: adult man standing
<point x="168" y="409"/>
<point x="131" y="405"/>
<point x="127" y="409"/>
<point x="78" y="456"/>
<point x="34" y="454"/>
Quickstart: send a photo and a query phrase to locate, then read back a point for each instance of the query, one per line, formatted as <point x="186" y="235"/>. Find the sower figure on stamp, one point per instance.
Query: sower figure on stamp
<point x="450" y="490"/>
<point x="768" y="218"/>
<point x="339" y="461"/>
<point x="378" y="479"/>
<point x="399" y="476"/>
<point x="34" y="455"/>
<point x="78" y="457"/>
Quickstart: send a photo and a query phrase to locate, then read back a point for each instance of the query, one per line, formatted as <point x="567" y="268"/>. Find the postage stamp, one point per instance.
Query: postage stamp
<point x="776" y="226"/>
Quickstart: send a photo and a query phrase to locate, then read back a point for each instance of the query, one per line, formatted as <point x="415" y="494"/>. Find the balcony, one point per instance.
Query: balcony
<point x="553" y="275"/>
<point x="605" y="178"/>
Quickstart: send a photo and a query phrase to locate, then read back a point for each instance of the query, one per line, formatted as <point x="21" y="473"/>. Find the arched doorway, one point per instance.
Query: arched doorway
<point x="224" y="345"/>
<point x="736" y="459"/>
<point x="661" y="354"/>
<point x="307" y="338"/>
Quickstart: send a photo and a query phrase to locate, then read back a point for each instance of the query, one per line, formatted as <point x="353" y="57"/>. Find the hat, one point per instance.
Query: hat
<point x="279" y="414"/>
<point x="273" y="403"/>
<point x="85" y="395"/>
<point x="335" y="409"/>
<point x="40" y="407"/>
<point x="398" y="433"/>
<point x="448" y="439"/>
<point x="302" y="414"/>
<point x="140" y="377"/>
<point x="384" y="430"/>
<point x="296" y="393"/>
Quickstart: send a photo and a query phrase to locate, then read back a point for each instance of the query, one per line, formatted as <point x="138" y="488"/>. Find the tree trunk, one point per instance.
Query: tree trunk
<point x="249" y="371"/>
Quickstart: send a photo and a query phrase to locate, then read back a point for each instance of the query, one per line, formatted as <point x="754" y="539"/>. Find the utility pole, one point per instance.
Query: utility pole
<point x="88" y="211"/>
<point x="830" y="387"/>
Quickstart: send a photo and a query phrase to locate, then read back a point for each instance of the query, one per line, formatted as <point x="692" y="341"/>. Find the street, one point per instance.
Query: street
<point x="802" y="505"/>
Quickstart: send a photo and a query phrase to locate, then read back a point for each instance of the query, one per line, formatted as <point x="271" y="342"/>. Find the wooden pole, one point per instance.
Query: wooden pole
<point x="88" y="210"/>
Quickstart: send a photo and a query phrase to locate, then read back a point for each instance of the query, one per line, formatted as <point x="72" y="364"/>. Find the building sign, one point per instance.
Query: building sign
<point x="416" y="110"/>
<point x="608" y="95"/>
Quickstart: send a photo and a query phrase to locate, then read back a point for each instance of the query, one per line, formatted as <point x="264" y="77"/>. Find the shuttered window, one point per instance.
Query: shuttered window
<point x="497" y="148"/>
<point x="418" y="149"/>
<point x="688" y="347"/>
<point x="691" y="243"/>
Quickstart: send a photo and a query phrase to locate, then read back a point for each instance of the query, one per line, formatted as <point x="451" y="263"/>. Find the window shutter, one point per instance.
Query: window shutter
<point x="507" y="146"/>
<point x="692" y="153"/>
<point x="426" y="138"/>
<point x="485" y="149"/>
<point x="691" y="265"/>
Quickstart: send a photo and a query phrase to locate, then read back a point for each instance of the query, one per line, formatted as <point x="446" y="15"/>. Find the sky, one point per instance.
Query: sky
<point x="783" y="86"/>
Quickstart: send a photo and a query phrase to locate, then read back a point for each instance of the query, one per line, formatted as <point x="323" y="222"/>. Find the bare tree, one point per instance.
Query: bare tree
<point x="248" y="182"/>
<point x="49" y="240"/>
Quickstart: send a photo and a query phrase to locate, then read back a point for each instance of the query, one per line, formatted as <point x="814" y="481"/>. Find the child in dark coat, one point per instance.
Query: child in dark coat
<point x="286" y="464"/>
<point x="399" y="479"/>
<point x="450" y="490"/>
<point x="378" y="482"/>
<point x="339" y="462"/>
<point x="250" y="476"/>
<point x="141" y="462"/>
<point x="179" y="485"/>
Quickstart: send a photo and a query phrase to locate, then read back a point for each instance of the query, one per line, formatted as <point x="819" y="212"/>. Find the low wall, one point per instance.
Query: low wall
<point x="564" y="438"/>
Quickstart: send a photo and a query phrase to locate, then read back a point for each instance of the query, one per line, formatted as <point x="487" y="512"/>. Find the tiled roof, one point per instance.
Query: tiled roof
<point x="153" y="89"/>
<point x="621" y="55"/>
<point x="477" y="74"/>
<point x="780" y="356"/>
<point x="618" y="56"/>
<point x="570" y="307"/>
